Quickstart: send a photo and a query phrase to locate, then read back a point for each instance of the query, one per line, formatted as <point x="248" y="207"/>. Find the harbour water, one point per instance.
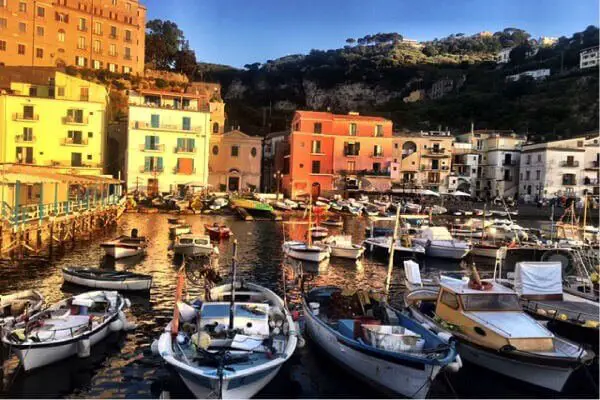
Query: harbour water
<point x="124" y="367"/>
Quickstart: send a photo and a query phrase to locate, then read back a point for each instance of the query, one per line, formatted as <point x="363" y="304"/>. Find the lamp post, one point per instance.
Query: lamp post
<point x="277" y="177"/>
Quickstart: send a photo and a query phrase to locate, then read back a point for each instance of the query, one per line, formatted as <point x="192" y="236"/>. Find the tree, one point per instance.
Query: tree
<point x="350" y="41"/>
<point x="163" y="41"/>
<point x="519" y="54"/>
<point x="185" y="60"/>
<point x="430" y="50"/>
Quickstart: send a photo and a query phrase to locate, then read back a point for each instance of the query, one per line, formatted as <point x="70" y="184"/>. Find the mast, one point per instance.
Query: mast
<point x="584" y="215"/>
<point x="233" y="279"/>
<point x="309" y="220"/>
<point x="391" y="260"/>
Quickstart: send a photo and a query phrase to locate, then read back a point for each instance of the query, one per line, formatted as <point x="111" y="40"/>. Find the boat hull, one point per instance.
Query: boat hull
<point x="311" y="256"/>
<point x="118" y="252"/>
<point x="389" y="376"/>
<point x="351" y="253"/>
<point x="489" y="252"/>
<point x="191" y="250"/>
<point x="126" y="284"/>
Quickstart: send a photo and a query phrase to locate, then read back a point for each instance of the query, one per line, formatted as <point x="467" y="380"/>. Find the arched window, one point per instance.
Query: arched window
<point x="216" y="127"/>
<point x="61" y="35"/>
<point x="253" y="152"/>
<point x="215" y="150"/>
<point x="408" y="148"/>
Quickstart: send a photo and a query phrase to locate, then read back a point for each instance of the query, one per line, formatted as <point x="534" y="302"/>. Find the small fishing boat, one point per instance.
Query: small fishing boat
<point x="252" y="205"/>
<point x="305" y="251"/>
<point x="380" y="245"/>
<point x="218" y="203"/>
<point x="105" y="279"/>
<point x="371" y="211"/>
<point x="467" y="233"/>
<point x="180" y="229"/>
<point x="457" y="213"/>
<point x="438" y="210"/>
<point x="478" y="212"/>
<point x="466" y="212"/>
<point x="218" y="232"/>
<point x="500" y="213"/>
<point x="381" y="345"/>
<point x="175" y="220"/>
<point x="413" y="279"/>
<point x="438" y="242"/>
<point x="319" y="232"/>
<point x="341" y="246"/>
<point x="189" y="245"/>
<point x="493" y="332"/>
<point x="485" y="248"/>
<point x="280" y="205"/>
<point x="333" y="222"/>
<point x="125" y="246"/>
<point x="15" y="307"/>
<point x="67" y="328"/>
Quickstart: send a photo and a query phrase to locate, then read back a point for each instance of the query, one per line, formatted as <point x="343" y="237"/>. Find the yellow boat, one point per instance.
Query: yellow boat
<point x="251" y="205"/>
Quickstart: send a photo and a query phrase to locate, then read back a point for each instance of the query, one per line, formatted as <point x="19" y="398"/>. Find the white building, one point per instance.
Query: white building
<point x="503" y="56"/>
<point x="167" y="141"/>
<point x="536" y="74"/>
<point x="589" y="57"/>
<point x="465" y="162"/>
<point x="559" y="168"/>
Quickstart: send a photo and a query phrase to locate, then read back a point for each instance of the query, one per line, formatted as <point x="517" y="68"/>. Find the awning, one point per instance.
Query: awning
<point x="458" y="193"/>
<point x="11" y="178"/>
<point x="428" y="192"/>
<point x="37" y="174"/>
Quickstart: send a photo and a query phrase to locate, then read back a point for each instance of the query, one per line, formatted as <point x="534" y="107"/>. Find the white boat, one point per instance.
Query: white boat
<point x="392" y="352"/>
<point x="191" y="245"/>
<point x="180" y="229"/>
<point x="478" y="212"/>
<point x="305" y="252"/>
<point x="290" y="203"/>
<point x="485" y="249"/>
<point x="333" y="222"/>
<point x="281" y="205"/>
<point x="457" y="213"/>
<point x="438" y="242"/>
<point x="413" y="279"/>
<point x="438" y="210"/>
<point x="467" y="233"/>
<point x="319" y="232"/>
<point x="341" y="246"/>
<point x="67" y="328"/>
<point x="218" y="203"/>
<point x="105" y="279"/>
<point x="263" y="337"/>
<point x="382" y="244"/>
<point x="125" y="246"/>
<point x="503" y="338"/>
<point x="15" y="307"/>
<point x="466" y="212"/>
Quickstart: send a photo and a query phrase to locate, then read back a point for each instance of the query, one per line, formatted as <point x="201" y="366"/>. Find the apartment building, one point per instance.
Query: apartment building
<point x="327" y="152"/>
<point x="235" y="161"/>
<point x="465" y="164"/>
<point x="167" y="141"/>
<point x="498" y="154"/>
<point x="589" y="58"/>
<point x="275" y="147"/>
<point x="422" y="160"/>
<point x="52" y="119"/>
<point x="99" y="34"/>
<point x="559" y="168"/>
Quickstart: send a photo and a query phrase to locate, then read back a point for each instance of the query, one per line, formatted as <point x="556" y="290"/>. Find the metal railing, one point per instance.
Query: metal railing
<point x="569" y="164"/>
<point x="509" y="163"/>
<point x="165" y="127"/>
<point x="185" y="150"/>
<point x="151" y="170"/>
<point x="24" y="139"/>
<point x="74" y="142"/>
<point x="155" y="148"/>
<point x="74" y="121"/>
<point x="23" y="117"/>
<point x="589" y="181"/>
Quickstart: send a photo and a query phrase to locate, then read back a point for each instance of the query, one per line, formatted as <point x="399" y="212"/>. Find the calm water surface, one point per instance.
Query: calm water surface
<point x="123" y="367"/>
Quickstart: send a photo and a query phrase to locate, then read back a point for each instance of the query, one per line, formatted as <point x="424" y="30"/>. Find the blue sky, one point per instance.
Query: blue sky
<point x="238" y="32"/>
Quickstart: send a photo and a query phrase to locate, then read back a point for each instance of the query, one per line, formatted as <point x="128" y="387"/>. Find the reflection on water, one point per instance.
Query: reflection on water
<point x="123" y="366"/>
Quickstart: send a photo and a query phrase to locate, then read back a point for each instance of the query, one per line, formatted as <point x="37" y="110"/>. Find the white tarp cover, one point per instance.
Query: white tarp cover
<point x="436" y="233"/>
<point x="411" y="270"/>
<point x="538" y="278"/>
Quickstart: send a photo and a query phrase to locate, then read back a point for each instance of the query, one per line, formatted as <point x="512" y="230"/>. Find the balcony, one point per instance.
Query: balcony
<point x="178" y="172"/>
<point x="26" y="161"/>
<point x="593" y="165"/>
<point x="127" y="56"/>
<point x="509" y="163"/>
<point x="74" y="121"/>
<point x="24" y="139"/>
<point x="74" y="142"/>
<point x="322" y="171"/>
<point x="351" y="153"/>
<point x="590" y="182"/>
<point x="376" y="155"/>
<point x="82" y="28"/>
<point x="113" y="36"/>
<point x="25" y="117"/>
<point x="157" y="148"/>
<point x="151" y="170"/>
<point x="569" y="164"/>
<point x="185" y="150"/>
<point x="433" y="152"/>
<point x="165" y="127"/>
<point x="363" y="172"/>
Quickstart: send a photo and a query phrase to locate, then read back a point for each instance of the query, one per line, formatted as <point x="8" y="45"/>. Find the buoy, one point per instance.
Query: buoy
<point x="116" y="325"/>
<point x="83" y="348"/>
<point x="563" y="317"/>
<point x="154" y="347"/>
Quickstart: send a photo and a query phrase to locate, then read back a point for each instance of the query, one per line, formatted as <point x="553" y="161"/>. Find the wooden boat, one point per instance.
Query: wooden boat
<point x="229" y="355"/>
<point x="493" y="332"/>
<point x="190" y="244"/>
<point x="125" y="246"/>
<point x="180" y="229"/>
<point x="333" y="222"/>
<point x="251" y="205"/>
<point x="391" y="351"/>
<point x="67" y="328"/>
<point x="342" y="247"/>
<point x="438" y="242"/>
<point x="485" y="249"/>
<point x="175" y="220"/>
<point x="306" y="252"/>
<point x="217" y="232"/>
<point x="15" y="307"/>
<point x="380" y="245"/>
<point x="106" y="279"/>
<point x="319" y="232"/>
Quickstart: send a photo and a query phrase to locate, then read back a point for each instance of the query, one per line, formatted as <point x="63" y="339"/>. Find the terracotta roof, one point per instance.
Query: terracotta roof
<point x="348" y="117"/>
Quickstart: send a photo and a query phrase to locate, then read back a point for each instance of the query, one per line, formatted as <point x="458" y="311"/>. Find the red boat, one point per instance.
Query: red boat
<point x="217" y="231"/>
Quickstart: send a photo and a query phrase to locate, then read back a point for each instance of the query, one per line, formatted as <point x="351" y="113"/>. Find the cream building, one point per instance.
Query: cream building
<point x="235" y="162"/>
<point x="167" y="141"/>
<point x="52" y="119"/>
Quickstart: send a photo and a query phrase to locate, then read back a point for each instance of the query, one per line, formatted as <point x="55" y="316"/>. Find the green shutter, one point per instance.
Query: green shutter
<point x="160" y="163"/>
<point x="147" y="163"/>
<point x="180" y="143"/>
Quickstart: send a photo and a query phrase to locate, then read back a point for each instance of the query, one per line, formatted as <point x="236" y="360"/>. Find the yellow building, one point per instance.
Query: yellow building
<point x="422" y="160"/>
<point x="235" y="162"/>
<point x="51" y="119"/>
<point x="167" y="141"/>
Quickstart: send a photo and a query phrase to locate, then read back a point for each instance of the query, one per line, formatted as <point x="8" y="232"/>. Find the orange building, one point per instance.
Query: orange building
<point x="99" y="34"/>
<point x="328" y="152"/>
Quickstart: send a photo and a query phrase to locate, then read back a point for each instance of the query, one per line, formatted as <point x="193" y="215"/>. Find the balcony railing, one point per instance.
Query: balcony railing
<point x="74" y="121"/>
<point x="590" y="181"/>
<point x="569" y="164"/>
<point x="155" y="148"/>
<point x="433" y="152"/>
<point x="377" y="155"/>
<point x="151" y="170"/>
<point x="185" y="150"/>
<point x="113" y="36"/>
<point x="24" y="139"/>
<point x="569" y="182"/>
<point x="509" y="163"/>
<point x="322" y="171"/>
<point x="165" y="127"/>
<point x="74" y="142"/>
<point x="23" y="117"/>
<point x="127" y="57"/>
<point x="363" y="172"/>
<point x="177" y="170"/>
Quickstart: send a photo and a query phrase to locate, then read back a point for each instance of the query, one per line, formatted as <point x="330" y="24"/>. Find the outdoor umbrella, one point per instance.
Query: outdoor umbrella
<point x="459" y="193"/>
<point x="428" y="192"/>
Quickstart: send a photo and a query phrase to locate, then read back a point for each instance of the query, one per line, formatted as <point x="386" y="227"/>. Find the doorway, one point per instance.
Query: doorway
<point x="316" y="190"/>
<point x="233" y="184"/>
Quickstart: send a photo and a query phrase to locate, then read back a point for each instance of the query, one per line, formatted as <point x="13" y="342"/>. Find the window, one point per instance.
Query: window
<point x="215" y="150"/>
<point x="215" y="127"/>
<point x="39" y="53"/>
<point x="90" y="135"/>
<point x="316" y="146"/>
<point x="538" y="173"/>
<point x="235" y="151"/>
<point x="379" y="130"/>
<point x="82" y="26"/>
<point x="22" y="6"/>
<point x="527" y="175"/>
<point x="2" y="23"/>
<point x="450" y="300"/>
<point x="81" y="42"/>
<point x="528" y="159"/>
<point x="396" y="145"/>
<point x="539" y="158"/>
<point x="568" y="179"/>
<point x="151" y="143"/>
<point x="351" y="149"/>
<point x="353" y="129"/>
<point x="3" y="3"/>
<point x="112" y="50"/>
<point x="127" y="53"/>
<point x="75" y="115"/>
<point x="98" y="28"/>
<point x="27" y="134"/>
<point x="2" y="45"/>
<point x="253" y="152"/>
<point x="155" y="120"/>
<point x="127" y="35"/>
<point x="186" y="123"/>
<point x="96" y="64"/>
<point x="376" y="167"/>
<point x="39" y="31"/>
<point x="61" y="35"/>
<point x="113" y="32"/>
<point x="97" y="47"/>
<point x="377" y="150"/>
<point x="316" y="167"/>
<point x="126" y="70"/>
<point x="570" y="160"/>
<point x="21" y="49"/>
<point x="60" y="17"/>
<point x="22" y="27"/>
<point x="128" y="5"/>
<point x="80" y="61"/>
<point x="112" y="67"/>
<point x="61" y="91"/>
<point x="489" y="302"/>
<point x="84" y="92"/>
<point x="114" y="2"/>
<point x="318" y="127"/>
<point x="41" y="12"/>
